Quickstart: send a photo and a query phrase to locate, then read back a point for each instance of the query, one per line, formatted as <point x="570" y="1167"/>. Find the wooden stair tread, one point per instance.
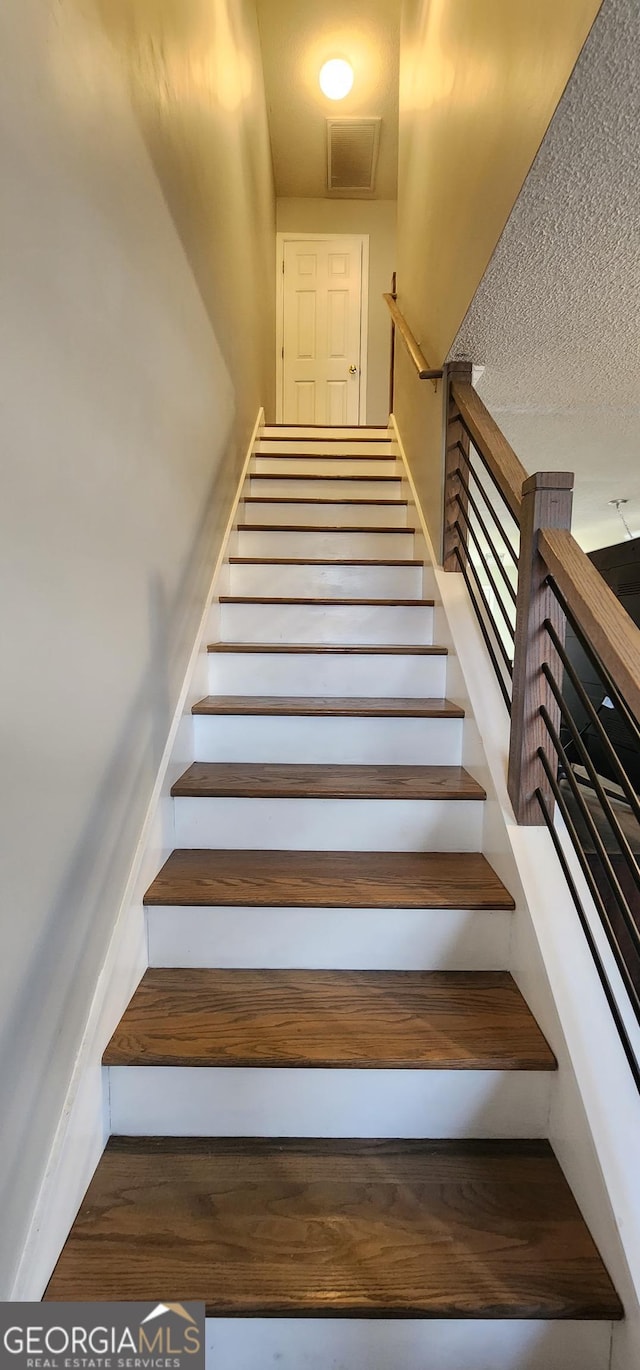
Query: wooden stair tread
<point x="332" y="648"/>
<point x="336" y="1228"/>
<point x="210" y="779"/>
<point x="323" y="527"/>
<point x="411" y="1020"/>
<point x="324" y="456"/>
<point x="320" y="499"/>
<point x="324" y="561"/>
<point x="327" y="706"/>
<point x="306" y="475"/>
<point x="352" y="879"/>
<point x="323" y="436"/>
<point x="328" y="603"/>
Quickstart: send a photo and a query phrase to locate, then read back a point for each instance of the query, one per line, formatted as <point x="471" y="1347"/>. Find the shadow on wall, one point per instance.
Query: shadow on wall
<point x="195" y="72"/>
<point x="55" y="992"/>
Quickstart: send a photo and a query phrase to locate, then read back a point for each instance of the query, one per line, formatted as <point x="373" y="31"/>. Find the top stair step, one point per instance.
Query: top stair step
<point x="355" y="432"/>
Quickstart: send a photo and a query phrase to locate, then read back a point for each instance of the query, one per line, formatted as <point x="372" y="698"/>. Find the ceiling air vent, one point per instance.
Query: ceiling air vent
<point x="352" y="153"/>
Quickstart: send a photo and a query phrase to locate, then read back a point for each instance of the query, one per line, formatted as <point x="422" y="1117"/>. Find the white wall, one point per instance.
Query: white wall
<point x="122" y="426"/>
<point x="378" y="219"/>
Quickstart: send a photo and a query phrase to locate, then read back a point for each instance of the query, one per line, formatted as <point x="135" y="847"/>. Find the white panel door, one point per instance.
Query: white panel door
<point x="321" y="334"/>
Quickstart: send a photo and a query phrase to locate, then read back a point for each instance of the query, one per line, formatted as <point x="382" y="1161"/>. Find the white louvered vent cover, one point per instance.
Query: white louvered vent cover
<point x="352" y="153"/>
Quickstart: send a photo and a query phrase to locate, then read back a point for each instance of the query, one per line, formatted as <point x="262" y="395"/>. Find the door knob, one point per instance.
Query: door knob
<point x="353" y="370"/>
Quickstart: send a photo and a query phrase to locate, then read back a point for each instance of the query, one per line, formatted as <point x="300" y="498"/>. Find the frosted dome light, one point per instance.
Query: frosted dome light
<point x="336" y="78"/>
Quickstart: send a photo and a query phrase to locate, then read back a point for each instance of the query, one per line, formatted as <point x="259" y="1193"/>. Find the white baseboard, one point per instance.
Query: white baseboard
<point x="84" y="1122"/>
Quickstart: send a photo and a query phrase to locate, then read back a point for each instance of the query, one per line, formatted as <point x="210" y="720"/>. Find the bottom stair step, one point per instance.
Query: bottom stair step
<point x="322" y="1228"/>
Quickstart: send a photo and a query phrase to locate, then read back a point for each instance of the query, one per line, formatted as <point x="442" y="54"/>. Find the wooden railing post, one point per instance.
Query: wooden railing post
<point x="546" y="503"/>
<point x="456" y="446"/>
<point x="392" y="368"/>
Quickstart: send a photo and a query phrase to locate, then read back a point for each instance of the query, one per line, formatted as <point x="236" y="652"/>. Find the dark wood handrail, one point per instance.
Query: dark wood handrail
<point x="604" y="621"/>
<point x="505" y="467"/>
<point x="425" y="372"/>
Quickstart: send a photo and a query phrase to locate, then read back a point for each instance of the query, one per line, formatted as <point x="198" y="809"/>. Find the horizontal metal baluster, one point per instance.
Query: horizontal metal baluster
<point x="485" y="563"/>
<point x="486" y="467"/>
<point x="605" y="805"/>
<point x="500" y="644"/>
<point x="487" y="535"/>
<point x="485" y="633"/>
<point x="629" y="1052"/>
<point x="490" y="509"/>
<point x="601" y="851"/>
<point x="607" y="680"/>
<point x="625" y="783"/>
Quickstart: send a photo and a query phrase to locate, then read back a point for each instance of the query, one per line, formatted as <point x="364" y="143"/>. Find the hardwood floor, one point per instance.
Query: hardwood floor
<point x="352" y="879"/>
<point x="436" y="1020"/>
<point x="331" y="1228"/>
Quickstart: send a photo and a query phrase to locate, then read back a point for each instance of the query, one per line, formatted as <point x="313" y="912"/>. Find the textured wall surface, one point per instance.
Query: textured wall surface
<point x="121" y="433"/>
<point x="479" y="84"/>
<point x="297" y="38"/>
<point x="378" y="220"/>
<point x="556" y="318"/>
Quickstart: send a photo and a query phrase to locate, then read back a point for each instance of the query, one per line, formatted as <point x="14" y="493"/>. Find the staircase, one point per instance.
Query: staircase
<point x="328" y="1097"/>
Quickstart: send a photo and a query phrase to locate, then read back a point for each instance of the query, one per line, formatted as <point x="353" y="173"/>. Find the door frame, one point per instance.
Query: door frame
<point x="363" y="240"/>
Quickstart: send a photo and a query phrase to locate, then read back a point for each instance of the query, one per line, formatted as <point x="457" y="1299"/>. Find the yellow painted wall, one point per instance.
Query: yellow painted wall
<point x="195" y="74"/>
<point x="479" y="83"/>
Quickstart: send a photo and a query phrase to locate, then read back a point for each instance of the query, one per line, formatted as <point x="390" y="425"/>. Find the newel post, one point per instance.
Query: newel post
<point x="547" y="498"/>
<point x="456" y="449"/>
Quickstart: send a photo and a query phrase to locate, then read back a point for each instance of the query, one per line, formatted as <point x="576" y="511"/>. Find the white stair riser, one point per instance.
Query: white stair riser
<point x="289" y="432"/>
<point x="348" y="741"/>
<point x="322" y="543"/>
<point x="329" y="466"/>
<point x="328" y="939"/>
<point x="406" y="1344"/>
<point x="192" y="1101"/>
<point x="325" y="489"/>
<point x="348" y="582"/>
<point x="349" y="624"/>
<point x="358" y="447"/>
<point x="312" y="673"/>
<point x="329" y="824"/>
<point x="326" y="515"/>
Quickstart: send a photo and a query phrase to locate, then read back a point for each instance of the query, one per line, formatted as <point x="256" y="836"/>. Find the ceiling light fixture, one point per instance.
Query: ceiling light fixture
<point x="618" y="506"/>
<point x="336" y="78"/>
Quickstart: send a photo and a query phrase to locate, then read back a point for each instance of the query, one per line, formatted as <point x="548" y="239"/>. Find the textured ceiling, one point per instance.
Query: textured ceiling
<point x="556" y="318"/>
<point x="297" y="36"/>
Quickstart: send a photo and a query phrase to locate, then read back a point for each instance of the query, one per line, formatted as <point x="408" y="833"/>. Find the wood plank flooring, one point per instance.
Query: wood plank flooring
<point x="436" y="1020"/>
<point x="210" y="779"/>
<point x="296" y="879"/>
<point x="336" y="1228"/>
